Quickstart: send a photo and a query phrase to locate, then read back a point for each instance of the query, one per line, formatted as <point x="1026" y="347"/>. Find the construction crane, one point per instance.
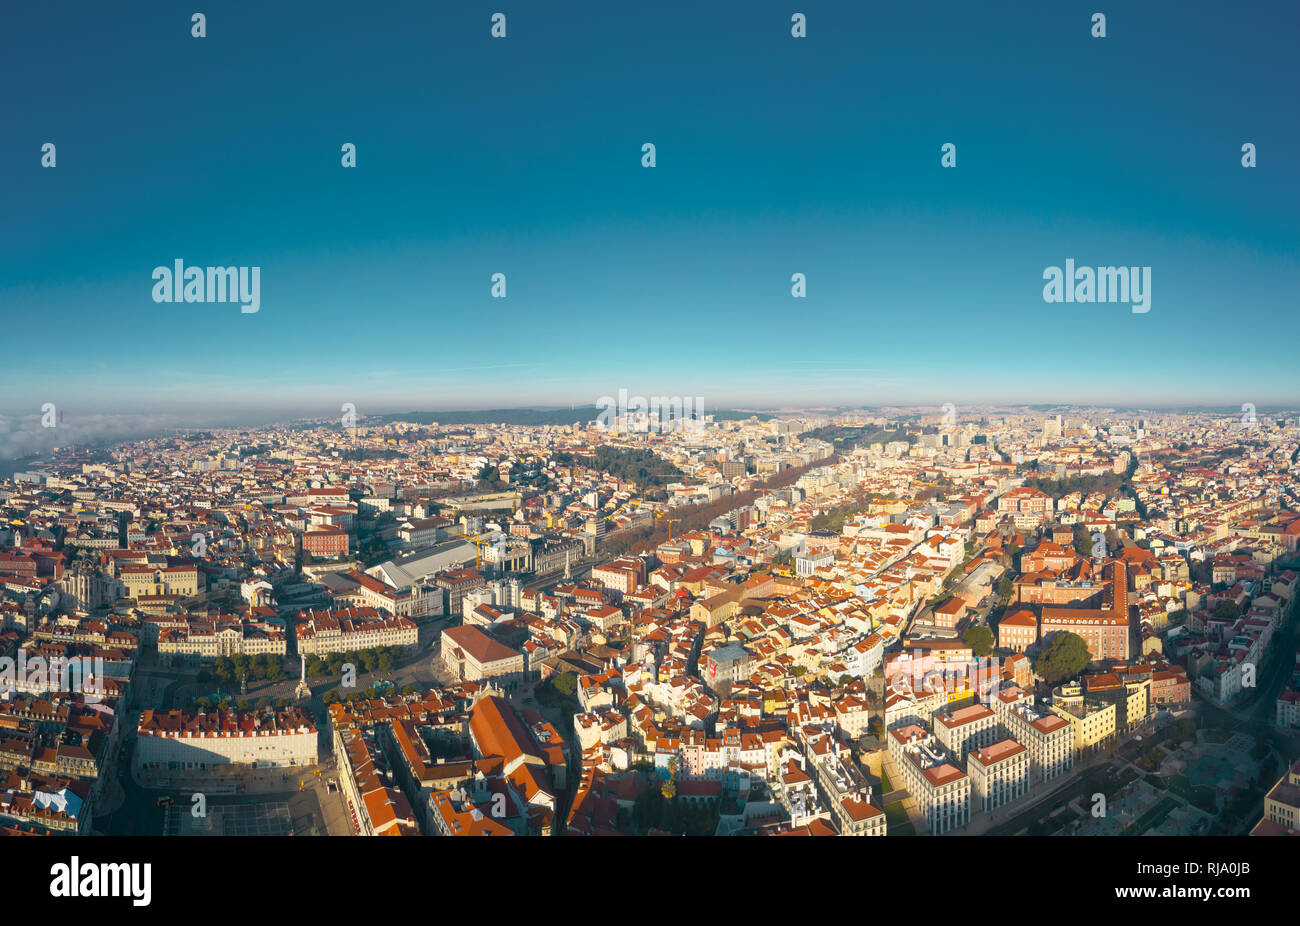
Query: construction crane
<point x="671" y="521"/>
<point x="479" y="544"/>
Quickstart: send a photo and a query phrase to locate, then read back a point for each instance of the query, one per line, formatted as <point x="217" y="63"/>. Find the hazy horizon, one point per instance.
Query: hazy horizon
<point x="775" y="156"/>
<point x="25" y="438"/>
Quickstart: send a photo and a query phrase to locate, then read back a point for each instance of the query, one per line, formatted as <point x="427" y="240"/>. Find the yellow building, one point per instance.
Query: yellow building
<point x="1092" y="723"/>
<point x="169" y="580"/>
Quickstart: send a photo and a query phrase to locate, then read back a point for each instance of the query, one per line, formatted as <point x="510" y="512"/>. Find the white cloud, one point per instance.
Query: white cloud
<point x="22" y="435"/>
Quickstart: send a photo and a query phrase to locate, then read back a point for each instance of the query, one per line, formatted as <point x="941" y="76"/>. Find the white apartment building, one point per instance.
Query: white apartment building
<point x="864" y="656"/>
<point x="999" y="774"/>
<point x="1008" y="697"/>
<point x="942" y="790"/>
<point x="174" y="742"/>
<point x="904" y="707"/>
<point x="806" y="564"/>
<point x="1047" y="737"/>
<point x="1288" y="709"/>
<point x="966" y="729"/>
<point x="208" y="640"/>
<point x="351" y="629"/>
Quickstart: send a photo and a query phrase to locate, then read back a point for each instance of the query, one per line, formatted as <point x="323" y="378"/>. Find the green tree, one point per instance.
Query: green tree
<point x="979" y="638"/>
<point x="566" y="683"/>
<point x="1226" y="609"/>
<point x="1063" y="657"/>
<point x="669" y="788"/>
<point x="224" y="669"/>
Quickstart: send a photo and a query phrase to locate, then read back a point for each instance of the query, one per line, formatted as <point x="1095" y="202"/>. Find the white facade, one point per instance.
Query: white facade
<point x="999" y="774"/>
<point x="195" y="751"/>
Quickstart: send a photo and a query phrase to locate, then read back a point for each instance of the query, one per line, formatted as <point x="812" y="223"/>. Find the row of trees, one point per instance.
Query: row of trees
<point x="696" y="517"/>
<point x="833" y="519"/>
<point x="229" y="669"/>
<point x="244" y="704"/>
<point x="845" y="439"/>
<point x="378" y="659"/>
<point x="653" y="810"/>
<point x="1106" y="483"/>
<point x="373" y="691"/>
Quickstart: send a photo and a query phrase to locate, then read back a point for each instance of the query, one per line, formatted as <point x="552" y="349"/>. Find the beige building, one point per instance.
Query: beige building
<point x="1282" y="807"/>
<point x="857" y="815"/>
<point x="172" y="580"/>
<point x="420" y="599"/>
<point x="1009" y="696"/>
<point x="474" y="656"/>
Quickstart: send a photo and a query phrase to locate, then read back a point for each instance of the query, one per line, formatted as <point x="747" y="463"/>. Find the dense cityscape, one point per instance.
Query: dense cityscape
<point x="856" y="622"/>
<point x="653" y="422"/>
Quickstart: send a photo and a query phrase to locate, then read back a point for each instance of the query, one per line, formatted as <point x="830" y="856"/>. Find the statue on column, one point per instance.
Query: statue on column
<point x="303" y="690"/>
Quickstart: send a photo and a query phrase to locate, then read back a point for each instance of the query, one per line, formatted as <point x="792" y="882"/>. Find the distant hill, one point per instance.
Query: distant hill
<point x="536" y="417"/>
<point x="526" y="416"/>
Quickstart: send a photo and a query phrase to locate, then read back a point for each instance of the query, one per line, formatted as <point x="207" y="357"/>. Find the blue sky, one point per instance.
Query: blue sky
<point x="522" y="156"/>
